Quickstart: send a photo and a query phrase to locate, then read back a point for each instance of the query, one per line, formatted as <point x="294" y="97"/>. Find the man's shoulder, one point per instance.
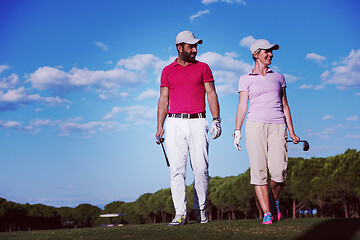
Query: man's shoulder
<point x="169" y="66"/>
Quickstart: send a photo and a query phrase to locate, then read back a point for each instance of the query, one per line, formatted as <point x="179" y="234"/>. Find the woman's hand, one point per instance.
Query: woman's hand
<point x="295" y="138"/>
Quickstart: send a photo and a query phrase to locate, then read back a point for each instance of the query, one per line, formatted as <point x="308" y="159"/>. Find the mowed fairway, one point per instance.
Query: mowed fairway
<point x="300" y="229"/>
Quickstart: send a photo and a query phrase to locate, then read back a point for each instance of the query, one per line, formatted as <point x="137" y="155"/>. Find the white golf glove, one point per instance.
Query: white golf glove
<point x="216" y="128"/>
<point x="237" y="138"/>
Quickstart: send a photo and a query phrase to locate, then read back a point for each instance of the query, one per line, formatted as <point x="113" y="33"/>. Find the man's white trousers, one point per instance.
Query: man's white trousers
<point x="183" y="137"/>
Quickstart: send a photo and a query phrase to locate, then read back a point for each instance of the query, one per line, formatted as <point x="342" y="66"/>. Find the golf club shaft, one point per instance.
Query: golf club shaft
<point x="167" y="161"/>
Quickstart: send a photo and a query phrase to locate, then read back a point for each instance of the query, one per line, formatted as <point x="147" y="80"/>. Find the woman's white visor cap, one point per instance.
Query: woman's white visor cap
<point x="262" y="44"/>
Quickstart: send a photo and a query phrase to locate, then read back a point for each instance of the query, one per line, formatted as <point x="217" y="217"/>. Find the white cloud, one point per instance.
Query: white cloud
<point x="3" y="68"/>
<point x="14" y="98"/>
<point x="206" y="2"/>
<point x="306" y="86"/>
<point x="319" y="87"/>
<point x="111" y="95"/>
<point x="137" y="114"/>
<point x="101" y="45"/>
<point x="247" y="41"/>
<point x="52" y="78"/>
<point x="291" y="78"/>
<point x="42" y="123"/>
<point x="342" y="126"/>
<point x="142" y="62"/>
<point x="226" y="82"/>
<point x="89" y="127"/>
<point x="226" y="70"/>
<point x="10" y="124"/>
<point x="20" y="96"/>
<point x="70" y="127"/>
<point x="9" y="82"/>
<point x="219" y="62"/>
<point x="17" y="126"/>
<point x="326" y="132"/>
<point x="352" y="118"/>
<point x="199" y="14"/>
<point x="356" y="136"/>
<point x="357" y="94"/>
<point x="327" y="117"/>
<point x="316" y="57"/>
<point x="347" y="74"/>
<point x="149" y="93"/>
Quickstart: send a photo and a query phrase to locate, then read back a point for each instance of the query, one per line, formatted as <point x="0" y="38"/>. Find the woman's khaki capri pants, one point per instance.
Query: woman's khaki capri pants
<point x="267" y="150"/>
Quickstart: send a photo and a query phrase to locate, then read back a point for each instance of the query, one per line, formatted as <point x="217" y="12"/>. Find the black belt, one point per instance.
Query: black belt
<point x="187" y="115"/>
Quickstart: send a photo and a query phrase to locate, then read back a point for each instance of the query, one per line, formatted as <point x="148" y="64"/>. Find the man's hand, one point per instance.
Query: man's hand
<point x="216" y="128"/>
<point x="237" y="138"/>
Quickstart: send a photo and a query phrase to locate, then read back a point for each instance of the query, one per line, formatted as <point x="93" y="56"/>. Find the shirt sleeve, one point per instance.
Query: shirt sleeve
<point x="282" y="81"/>
<point x="164" y="81"/>
<point x="243" y="84"/>
<point x="208" y="76"/>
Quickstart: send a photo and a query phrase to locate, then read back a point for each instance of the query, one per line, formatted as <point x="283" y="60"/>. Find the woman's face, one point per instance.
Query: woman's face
<point x="265" y="56"/>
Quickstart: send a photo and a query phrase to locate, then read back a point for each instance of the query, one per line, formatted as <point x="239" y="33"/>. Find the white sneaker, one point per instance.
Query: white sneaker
<point x="178" y="220"/>
<point x="200" y="216"/>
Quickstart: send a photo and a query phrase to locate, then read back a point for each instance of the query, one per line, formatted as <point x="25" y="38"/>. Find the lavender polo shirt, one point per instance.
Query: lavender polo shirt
<point x="186" y="86"/>
<point x="265" y="93"/>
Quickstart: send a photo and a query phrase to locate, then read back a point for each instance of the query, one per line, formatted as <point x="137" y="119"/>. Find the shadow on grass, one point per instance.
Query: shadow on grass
<point x="338" y="228"/>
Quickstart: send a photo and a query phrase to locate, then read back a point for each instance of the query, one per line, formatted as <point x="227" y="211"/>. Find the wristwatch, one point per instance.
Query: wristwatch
<point x="217" y="118"/>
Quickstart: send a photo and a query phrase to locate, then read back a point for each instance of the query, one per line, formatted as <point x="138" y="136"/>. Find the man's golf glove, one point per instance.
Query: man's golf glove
<point x="237" y="138"/>
<point x="216" y="128"/>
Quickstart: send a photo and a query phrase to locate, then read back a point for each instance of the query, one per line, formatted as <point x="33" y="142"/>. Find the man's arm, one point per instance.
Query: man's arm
<point x="163" y="106"/>
<point x="212" y="99"/>
<point x="214" y="108"/>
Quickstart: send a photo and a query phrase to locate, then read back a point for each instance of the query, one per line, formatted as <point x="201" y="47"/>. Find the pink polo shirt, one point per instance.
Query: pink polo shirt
<point x="186" y="86"/>
<point x="265" y="93"/>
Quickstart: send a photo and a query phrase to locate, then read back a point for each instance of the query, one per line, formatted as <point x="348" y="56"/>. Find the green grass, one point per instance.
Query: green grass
<point x="299" y="229"/>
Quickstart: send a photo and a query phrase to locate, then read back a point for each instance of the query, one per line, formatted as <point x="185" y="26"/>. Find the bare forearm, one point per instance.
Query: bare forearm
<point x="161" y="114"/>
<point x="241" y="110"/>
<point x="288" y="120"/>
<point x="214" y="104"/>
<point x="212" y="99"/>
<point x="163" y="106"/>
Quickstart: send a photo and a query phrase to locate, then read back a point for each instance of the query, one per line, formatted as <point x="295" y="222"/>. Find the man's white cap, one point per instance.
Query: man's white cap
<point x="262" y="44"/>
<point x="187" y="37"/>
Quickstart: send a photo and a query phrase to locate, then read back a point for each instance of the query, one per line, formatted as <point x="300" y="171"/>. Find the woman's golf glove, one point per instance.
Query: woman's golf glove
<point x="237" y="138"/>
<point x="216" y="128"/>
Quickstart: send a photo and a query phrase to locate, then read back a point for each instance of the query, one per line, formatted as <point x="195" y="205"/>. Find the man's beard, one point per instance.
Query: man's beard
<point x="186" y="57"/>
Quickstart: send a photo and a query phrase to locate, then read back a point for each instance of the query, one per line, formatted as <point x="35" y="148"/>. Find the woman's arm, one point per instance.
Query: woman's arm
<point x="242" y="109"/>
<point x="288" y="119"/>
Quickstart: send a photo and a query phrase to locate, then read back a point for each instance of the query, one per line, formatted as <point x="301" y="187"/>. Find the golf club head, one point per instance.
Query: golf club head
<point x="306" y="145"/>
<point x="159" y="140"/>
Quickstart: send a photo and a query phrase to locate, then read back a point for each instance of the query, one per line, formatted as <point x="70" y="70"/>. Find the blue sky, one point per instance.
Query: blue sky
<point x="79" y="84"/>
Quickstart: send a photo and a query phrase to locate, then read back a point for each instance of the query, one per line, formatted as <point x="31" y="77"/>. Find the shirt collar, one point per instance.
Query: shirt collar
<point x="268" y="71"/>
<point x="175" y="63"/>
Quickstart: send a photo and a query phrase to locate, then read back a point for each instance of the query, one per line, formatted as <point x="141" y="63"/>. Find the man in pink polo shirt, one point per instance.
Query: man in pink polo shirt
<point x="184" y="84"/>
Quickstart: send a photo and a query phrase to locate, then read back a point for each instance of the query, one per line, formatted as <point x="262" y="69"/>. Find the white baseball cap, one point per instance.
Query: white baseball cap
<point x="262" y="44"/>
<point x="187" y="37"/>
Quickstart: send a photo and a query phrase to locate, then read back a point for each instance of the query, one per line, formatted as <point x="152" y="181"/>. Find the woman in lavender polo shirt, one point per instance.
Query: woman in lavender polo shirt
<point x="268" y="120"/>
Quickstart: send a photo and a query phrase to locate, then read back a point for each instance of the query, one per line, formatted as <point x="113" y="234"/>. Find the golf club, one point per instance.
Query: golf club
<point x="306" y="145"/>
<point x="160" y="140"/>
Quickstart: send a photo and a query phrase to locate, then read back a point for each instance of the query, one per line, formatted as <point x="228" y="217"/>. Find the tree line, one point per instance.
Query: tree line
<point x="315" y="187"/>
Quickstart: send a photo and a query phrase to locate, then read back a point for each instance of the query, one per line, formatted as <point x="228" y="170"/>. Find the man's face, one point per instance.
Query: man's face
<point x="188" y="52"/>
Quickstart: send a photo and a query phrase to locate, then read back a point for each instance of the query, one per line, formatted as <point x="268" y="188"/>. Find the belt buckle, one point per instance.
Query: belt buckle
<point x="185" y="115"/>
